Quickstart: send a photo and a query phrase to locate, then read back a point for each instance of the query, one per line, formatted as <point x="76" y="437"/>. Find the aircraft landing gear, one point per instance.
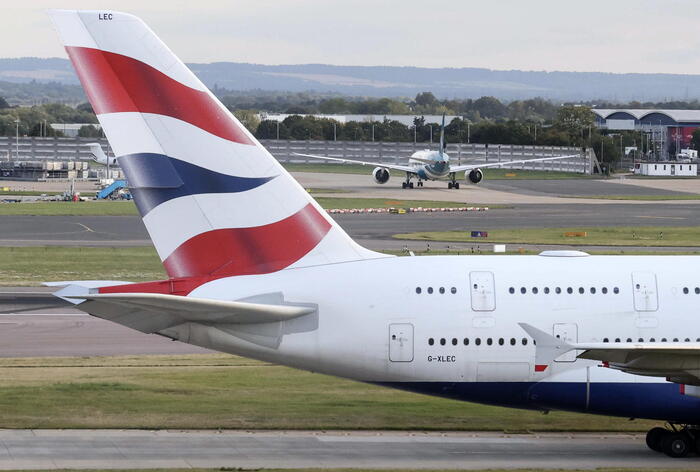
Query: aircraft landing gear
<point x="407" y="183"/>
<point x="674" y="442"/>
<point x="453" y="184"/>
<point x="420" y="183"/>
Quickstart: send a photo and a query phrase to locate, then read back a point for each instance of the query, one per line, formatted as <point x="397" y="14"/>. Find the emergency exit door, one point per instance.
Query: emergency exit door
<point x="644" y="290"/>
<point x="567" y="332"/>
<point x="401" y="342"/>
<point x="483" y="291"/>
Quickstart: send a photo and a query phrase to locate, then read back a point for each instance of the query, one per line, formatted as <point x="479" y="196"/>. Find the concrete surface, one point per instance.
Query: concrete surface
<point x="51" y="449"/>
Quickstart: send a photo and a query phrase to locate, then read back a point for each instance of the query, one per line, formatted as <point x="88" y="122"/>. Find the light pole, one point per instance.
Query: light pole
<point x="372" y="132"/>
<point x="278" y="131"/>
<point x="469" y="132"/>
<point x="431" y="134"/>
<point x="17" y="139"/>
<point x="415" y="134"/>
<point x="335" y="136"/>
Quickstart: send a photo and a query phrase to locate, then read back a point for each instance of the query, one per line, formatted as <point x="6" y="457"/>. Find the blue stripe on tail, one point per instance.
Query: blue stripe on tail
<point x="157" y="178"/>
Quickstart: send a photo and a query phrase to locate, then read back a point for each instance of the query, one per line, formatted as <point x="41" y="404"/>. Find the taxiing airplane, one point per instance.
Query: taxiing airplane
<point x="99" y="156"/>
<point x="433" y="165"/>
<point x="257" y="268"/>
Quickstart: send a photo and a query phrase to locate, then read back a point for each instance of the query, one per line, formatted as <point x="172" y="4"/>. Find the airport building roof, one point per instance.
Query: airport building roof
<point x="651" y="116"/>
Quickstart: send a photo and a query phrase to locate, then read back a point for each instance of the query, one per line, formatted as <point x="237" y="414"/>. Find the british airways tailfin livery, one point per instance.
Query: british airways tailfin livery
<point x="256" y="268"/>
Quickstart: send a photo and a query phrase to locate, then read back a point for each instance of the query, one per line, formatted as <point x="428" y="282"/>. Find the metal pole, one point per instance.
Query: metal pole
<point x="278" y="131"/>
<point x="372" y="132"/>
<point x="335" y="136"/>
<point x="415" y="137"/>
<point x="431" y="134"/>
<point x="469" y="133"/>
<point x="17" y="140"/>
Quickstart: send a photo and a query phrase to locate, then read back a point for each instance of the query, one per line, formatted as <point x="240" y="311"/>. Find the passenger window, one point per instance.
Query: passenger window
<point x="466" y="341"/>
<point x="685" y="290"/>
<point x="546" y="290"/>
<point x="524" y="341"/>
<point x="697" y="290"/>
<point x="617" y="340"/>
<point x="453" y="290"/>
<point x="629" y="340"/>
<point x="663" y="340"/>
<point x="616" y="290"/>
<point x="442" y="290"/>
<point x="430" y="289"/>
<point x="500" y="341"/>
<point x="581" y="290"/>
<point x="558" y="290"/>
<point x="604" y="290"/>
<point x="442" y="341"/>
<point x="512" y="341"/>
<point x="477" y="341"/>
<point x="675" y="340"/>
<point x="687" y="340"/>
<point x="641" y="340"/>
<point x="454" y="341"/>
<point x="605" y="340"/>
<point x="523" y="290"/>
<point x="418" y="290"/>
<point x="534" y="290"/>
<point x="511" y="290"/>
<point x="569" y="290"/>
<point x="593" y="290"/>
<point x="489" y="341"/>
<point x="651" y="340"/>
<point x="431" y="341"/>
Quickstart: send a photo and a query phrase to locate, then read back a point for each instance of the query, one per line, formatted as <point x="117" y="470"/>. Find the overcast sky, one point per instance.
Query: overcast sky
<point x="591" y="35"/>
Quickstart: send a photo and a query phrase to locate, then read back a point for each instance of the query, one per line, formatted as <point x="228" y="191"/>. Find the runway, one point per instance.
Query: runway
<point x="52" y="449"/>
<point x="122" y="231"/>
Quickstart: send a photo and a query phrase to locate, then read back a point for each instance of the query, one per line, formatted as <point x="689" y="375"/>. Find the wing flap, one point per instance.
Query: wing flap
<point x="152" y="312"/>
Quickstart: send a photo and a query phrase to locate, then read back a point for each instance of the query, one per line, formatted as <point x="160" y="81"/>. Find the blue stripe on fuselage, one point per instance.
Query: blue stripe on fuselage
<point x="659" y="401"/>
<point x="156" y="178"/>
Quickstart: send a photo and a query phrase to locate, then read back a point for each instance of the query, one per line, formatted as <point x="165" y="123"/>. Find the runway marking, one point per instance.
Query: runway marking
<point x="662" y="217"/>
<point x="88" y="229"/>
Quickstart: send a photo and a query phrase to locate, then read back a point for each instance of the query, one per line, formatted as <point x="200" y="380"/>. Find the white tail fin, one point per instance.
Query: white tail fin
<point x="214" y="201"/>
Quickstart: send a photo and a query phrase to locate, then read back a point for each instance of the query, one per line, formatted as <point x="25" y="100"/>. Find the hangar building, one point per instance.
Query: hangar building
<point x="660" y="131"/>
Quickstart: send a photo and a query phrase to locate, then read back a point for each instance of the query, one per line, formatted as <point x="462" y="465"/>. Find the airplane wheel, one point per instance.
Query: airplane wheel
<point x="655" y="438"/>
<point x="410" y="185"/>
<point x="677" y="445"/>
<point x="403" y="184"/>
<point x="449" y="185"/>
<point x="457" y="185"/>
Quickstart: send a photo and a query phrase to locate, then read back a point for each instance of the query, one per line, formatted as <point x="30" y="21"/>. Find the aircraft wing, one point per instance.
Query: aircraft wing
<point x="677" y="362"/>
<point x="352" y="161"/>
<point x="465" y="167"/>
<point x="152" y="312"/>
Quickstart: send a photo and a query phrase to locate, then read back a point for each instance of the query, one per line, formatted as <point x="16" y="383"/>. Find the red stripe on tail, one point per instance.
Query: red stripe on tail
<point x="247" y="251"/>
<point x="116" y="83"/>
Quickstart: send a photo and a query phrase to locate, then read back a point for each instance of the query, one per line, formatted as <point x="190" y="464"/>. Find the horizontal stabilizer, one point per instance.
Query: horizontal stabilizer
<point x="73" y="290"/>
<point x="152" y="312"/>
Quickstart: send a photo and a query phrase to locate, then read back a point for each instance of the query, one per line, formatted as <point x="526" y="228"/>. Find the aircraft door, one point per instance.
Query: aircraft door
<point x="483" y="291"/>
<point x="644" y="289"/>
<point x="401" y="342"/>
<point x="568" y="332"/>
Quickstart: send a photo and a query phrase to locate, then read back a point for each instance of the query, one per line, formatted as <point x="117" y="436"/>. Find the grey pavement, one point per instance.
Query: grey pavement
<point x="53" y="449"/>
<point x="130" y="231"/>
<point x="575" y="187"/>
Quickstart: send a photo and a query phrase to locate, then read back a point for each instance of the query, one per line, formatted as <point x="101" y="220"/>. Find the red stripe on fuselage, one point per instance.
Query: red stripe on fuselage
<point x="115" y="83"/>
<point x="246" y="251"/>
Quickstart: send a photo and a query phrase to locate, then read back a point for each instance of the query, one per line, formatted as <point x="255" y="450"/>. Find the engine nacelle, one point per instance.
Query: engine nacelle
<point x="474" y="176"/>
<point x="381" y="175"/>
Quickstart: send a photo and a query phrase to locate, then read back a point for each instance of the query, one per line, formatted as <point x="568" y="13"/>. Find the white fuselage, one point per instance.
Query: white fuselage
<point x="438" y="169"/>
<point x="373" y="325"/>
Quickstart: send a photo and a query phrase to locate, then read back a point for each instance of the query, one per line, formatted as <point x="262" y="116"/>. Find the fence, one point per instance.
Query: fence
<point x="73" y="149"/>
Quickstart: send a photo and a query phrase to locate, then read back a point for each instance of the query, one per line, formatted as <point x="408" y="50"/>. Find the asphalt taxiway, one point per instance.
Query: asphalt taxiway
<point x="54" y="449"/>
<point x="123" y="231"/>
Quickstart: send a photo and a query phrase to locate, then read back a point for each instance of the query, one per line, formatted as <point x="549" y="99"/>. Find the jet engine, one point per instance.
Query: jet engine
<point x="474" y="176"/>
<point x="381" y="175"/>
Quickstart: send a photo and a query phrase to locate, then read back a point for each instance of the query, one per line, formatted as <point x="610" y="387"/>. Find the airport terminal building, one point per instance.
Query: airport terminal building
<point x="660" y="131"/>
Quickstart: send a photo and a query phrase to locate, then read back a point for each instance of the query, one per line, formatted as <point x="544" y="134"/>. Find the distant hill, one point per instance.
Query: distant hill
<point x="379" y="81"/>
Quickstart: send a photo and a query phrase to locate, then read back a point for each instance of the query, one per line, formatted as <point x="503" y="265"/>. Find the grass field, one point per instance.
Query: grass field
<point x="28" y="266"/>
<point x="646" y="236"/>
<point x="33" y="265"/>
<point x="27" y="193"/>
<point x="494" y="174"/>
<point x="220" y="391"/>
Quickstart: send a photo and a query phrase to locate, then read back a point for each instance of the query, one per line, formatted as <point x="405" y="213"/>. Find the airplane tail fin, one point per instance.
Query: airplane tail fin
<point x="214" y="200"/>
